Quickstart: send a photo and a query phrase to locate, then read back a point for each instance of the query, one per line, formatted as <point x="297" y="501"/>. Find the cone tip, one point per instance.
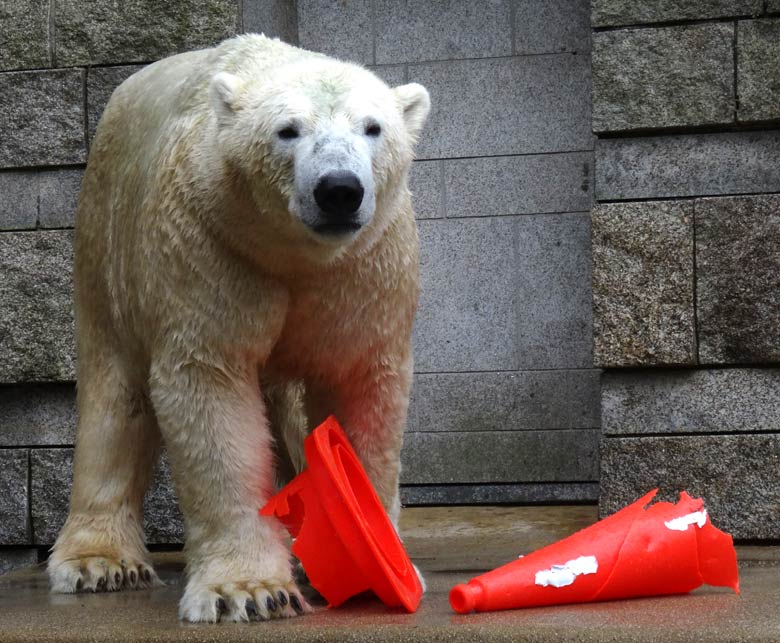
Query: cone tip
<point x="463" y="597"/>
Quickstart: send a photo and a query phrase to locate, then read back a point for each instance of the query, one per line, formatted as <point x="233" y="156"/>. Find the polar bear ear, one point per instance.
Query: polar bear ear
<point x="415" y="104"/>
<point x="224" y="92"/>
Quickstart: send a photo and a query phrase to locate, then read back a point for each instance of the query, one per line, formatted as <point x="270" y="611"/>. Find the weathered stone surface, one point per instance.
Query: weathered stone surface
<point x="738" y="282"/>
<point x="467" y="315"/>
<point x="514" y="456"/>
<point x="58" y="197"/>
<point x="519" y="184"/>
<point x="773" y="6"/>
<point x="19" y="205"/>
<point x="758" y="74"/>
<point x="39" y="198"/>
<point x="520" y="105"/>
<point x="688" y="165"/>
<point x="425" y="183"/>
<point x="98" y="32"/>
<point x="671" y="77"/>
<point x="393" y="75"/>
<point x="551" y="26"/>
<point x="43" y="118"/>
<point x="690" y="401"/>
<point x="643" y="288"/>
<point x="36" y="319"/>
<point x="607" y="13"/>
<point x="51" y="476"/>
<point x="737" y="475"/>
<point x="504" y="294"/>
<point x="274" y="18"/>
<point x="515" y="401"/>
<point x="11" y="559"/>
<point x="554" y="300"/>
<point x="163" y="522"/>
<point x="339" y="29"/>
<point x="493" y="494"/>
<point x="412" y="31"/>
<point x="14" y="525"/>
<point x="37" y="415"/>
<point x="24" y="37"/>
<point x="101" y="83"/>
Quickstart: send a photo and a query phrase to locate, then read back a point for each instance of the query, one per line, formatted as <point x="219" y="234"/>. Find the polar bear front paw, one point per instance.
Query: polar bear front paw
<point x="248" y="600"/>
<point x="101" y="574"/>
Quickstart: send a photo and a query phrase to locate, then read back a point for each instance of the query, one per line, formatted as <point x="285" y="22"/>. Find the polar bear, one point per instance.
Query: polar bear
<point x="246" y="265"/>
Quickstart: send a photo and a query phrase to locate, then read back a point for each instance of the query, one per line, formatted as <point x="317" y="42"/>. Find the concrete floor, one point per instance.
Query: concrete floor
<point x="451" y="545"/>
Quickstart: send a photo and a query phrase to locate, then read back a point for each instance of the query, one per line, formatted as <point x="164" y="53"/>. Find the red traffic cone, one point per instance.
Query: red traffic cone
<point x="662" y="549"/>
<point x="343" y="535"/>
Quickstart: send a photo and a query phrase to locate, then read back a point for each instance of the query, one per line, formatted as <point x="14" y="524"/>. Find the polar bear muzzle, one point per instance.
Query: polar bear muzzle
<point x="339" y="195"/>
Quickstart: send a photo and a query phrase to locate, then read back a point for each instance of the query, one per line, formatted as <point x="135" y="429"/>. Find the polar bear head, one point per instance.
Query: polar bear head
<point x="323" y="146"/>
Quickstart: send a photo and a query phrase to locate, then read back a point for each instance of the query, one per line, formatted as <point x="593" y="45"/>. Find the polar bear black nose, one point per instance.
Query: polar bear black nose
<point x="339" y="194"/>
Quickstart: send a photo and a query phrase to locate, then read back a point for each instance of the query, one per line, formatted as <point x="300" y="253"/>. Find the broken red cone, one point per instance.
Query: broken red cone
<point x="665" y="548"/>
<point x="343" y="536"/>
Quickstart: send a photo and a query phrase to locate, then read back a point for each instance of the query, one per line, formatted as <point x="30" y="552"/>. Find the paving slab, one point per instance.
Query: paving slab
<point x="451" y="545"/>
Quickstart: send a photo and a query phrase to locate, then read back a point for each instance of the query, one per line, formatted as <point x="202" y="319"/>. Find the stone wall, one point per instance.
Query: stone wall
<point x="505" y="402"/>
<point x="686" y="254"/>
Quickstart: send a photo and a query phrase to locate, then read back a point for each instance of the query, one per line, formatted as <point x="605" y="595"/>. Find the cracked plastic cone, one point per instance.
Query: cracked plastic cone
<point x="641" y="550"/>
<point x="343" y="536"/>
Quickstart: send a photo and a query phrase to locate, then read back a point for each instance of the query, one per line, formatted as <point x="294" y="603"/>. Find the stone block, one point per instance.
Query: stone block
<point x="11" y="559"/>
<point x="551" y="26"/>
<point x="393" y="75"/>
<point x="36" y="319"/>
<point x="504" y="294"/>
<point x="688" y="165"/>
<point x="412" y="31"/>
<point x="102" y="31"/>
<point x="553" y="283"/>
<point x="671" y="77"/>
<point x="43" y="118"/>
<point x="501" y="106"/>
<point x="690" y="401"/>
<point x="737" y="475"/>
<point x="519" y="184"/>
<point x="425" y="183"/>
<point x="606" y="13"/>
<point x="643" y="284"/>
<point x="467" y="316"/>
<point x="37" y="415"/>
<point x="773" y="6"/>
<point x="274" y="18"/>
<point x="514" y="401"/>
<point x="343" y="30"/>
<point x="163" y="522"/>
<point x="24" y="40"/>
<point x="58" y="197"/>
<point x="496" y="494"/>
<point x="737" y="279"/>
<point x="39" y="198"/>
<point x="52" y="477"/>
<point x="101" y="83"/>
<point x="19" y="205"/>
<point x="14" y="497"/>
<point x="514" y="456"/>
<point x="758" y="74"/>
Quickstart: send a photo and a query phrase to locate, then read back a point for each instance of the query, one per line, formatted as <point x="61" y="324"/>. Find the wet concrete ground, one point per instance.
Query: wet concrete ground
<point x="450" y="545"/>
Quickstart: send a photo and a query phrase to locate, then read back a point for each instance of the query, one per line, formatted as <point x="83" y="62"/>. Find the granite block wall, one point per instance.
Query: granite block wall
<point x="686" y="255"/>
<point x="506" y="397"/>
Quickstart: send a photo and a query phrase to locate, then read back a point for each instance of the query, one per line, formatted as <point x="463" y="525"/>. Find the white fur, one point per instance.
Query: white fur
<point x="212" y="317"/>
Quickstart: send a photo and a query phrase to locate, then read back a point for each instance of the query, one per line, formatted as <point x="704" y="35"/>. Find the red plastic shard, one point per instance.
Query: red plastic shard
<point x="343" y="536"/>
<point x="665" y="548"/>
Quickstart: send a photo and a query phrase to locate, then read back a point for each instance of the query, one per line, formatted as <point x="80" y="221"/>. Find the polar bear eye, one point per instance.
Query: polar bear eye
<point x="373" y="129"/>
<point x="288" y="133"/>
